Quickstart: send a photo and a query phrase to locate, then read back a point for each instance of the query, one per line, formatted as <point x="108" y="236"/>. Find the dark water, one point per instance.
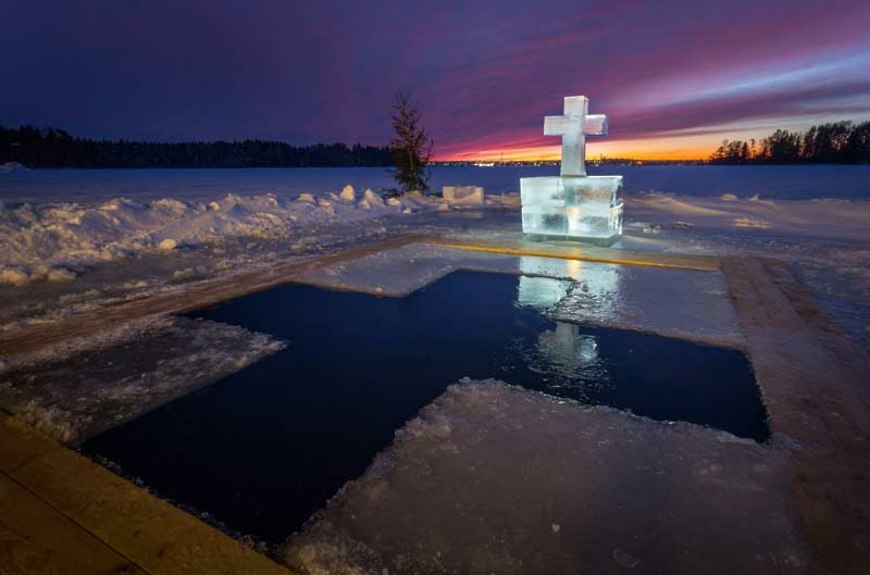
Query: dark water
<point x="91" y="186"/>
<point x="263" y="449"/>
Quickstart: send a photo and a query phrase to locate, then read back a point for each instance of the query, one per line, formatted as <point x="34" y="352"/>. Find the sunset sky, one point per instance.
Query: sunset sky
<point x="674" y="78"/>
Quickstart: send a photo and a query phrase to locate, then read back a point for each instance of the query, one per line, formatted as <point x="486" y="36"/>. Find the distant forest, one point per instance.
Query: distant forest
<point x="53" y="148"/>
<point x="836" y="143"/>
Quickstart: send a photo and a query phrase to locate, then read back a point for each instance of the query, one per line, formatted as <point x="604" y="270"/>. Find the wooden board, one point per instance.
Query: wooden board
<point x="62" y="513"/>
<point x="36" y="539"/>
<point x="812" y="379"/>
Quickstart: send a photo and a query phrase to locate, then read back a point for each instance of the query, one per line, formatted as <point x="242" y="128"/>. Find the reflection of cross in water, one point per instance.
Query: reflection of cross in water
<point x="567" y="339"/>
<point x="574" y="126"/>
<point x="565" y="346"/>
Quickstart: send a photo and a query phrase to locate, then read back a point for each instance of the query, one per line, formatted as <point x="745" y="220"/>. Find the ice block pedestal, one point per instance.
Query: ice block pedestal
<point x="573" y="205"/>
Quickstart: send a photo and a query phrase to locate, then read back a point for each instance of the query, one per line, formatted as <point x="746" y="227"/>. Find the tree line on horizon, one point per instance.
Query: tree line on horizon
<point x="833" y="143"/>
<point x="54" y="148"/>
<point x="839" y="142"/>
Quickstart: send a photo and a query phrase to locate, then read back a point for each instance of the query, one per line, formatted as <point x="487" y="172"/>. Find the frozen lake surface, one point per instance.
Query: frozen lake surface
<point x="265" y="448"/>
<point x="88" y="186"/>
<point x="63" y="260"/>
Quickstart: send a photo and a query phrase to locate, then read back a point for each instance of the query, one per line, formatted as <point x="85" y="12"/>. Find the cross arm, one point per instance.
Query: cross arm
<point x="594" y="125"/>
<point x="559" y="125"/>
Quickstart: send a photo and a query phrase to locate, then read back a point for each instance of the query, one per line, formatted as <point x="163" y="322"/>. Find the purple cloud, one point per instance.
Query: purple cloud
<point x="484" y="73"/>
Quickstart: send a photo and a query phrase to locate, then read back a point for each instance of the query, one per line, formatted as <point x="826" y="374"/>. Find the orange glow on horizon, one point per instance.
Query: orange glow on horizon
<point x="666" y="148"/>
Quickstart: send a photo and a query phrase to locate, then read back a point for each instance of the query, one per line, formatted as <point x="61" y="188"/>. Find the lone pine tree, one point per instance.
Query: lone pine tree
<point x="411" y="146"/>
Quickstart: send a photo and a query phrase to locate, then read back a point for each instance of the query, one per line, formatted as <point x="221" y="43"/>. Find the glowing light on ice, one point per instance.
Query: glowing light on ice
<point x="599" y="284"/>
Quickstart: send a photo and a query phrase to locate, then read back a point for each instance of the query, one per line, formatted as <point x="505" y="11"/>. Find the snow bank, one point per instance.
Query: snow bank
<point x="51" y="241"/>
<point x="10" y="167"/>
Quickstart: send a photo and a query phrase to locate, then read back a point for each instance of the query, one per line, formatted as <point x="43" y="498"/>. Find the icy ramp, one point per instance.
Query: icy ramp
<point x="495" y="479"/>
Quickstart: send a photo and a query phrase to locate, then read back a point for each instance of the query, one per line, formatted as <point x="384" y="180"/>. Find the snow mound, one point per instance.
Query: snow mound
<point x="347" y="193"/>
<point x="372" y="199"/>
<point x="49" y="241"/>
<point x="167" y="245"/>
<point x="21" y="275"/>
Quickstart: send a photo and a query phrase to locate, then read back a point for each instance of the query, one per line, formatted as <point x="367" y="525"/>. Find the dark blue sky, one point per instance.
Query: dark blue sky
<point x="673" y="77"/>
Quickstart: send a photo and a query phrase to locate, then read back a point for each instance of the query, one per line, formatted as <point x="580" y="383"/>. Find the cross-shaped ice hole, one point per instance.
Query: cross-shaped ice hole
<point x="574" y="126"/>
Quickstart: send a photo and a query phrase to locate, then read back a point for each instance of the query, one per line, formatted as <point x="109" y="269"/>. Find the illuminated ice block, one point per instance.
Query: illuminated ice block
<point x="573" y="205"/>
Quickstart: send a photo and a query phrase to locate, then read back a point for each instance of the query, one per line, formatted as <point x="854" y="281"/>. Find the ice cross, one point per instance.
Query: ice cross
<point x="574" y="126"/>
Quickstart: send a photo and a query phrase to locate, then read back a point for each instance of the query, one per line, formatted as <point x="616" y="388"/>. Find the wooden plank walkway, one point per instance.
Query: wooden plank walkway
<point x="814" y="382"/>
<point x="61" y="513"/>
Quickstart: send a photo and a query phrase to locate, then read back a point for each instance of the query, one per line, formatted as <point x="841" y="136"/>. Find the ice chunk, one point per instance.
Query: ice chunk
<point x="464" y="195"/>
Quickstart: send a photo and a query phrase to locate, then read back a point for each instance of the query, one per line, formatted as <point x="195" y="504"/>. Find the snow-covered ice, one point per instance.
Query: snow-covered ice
<point x="668" y="479"/>
<point x="401" y="271"/>
<point x="495" y="479"/>
<point x="672" y="302"/>
<point x="83" y="387"/>
<point x="807" y="219"/>
<point x="826" y="239"/>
